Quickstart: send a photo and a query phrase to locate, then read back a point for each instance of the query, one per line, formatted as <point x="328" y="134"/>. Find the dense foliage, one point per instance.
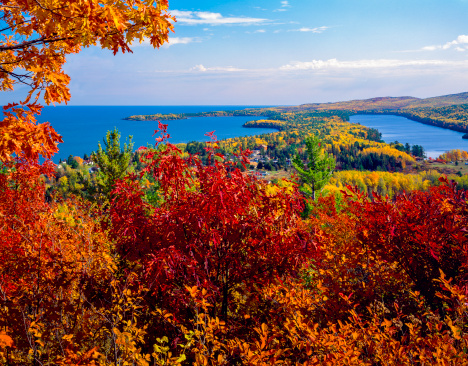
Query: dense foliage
<point x="223" y="270"/>
<point x="189" y="260"/>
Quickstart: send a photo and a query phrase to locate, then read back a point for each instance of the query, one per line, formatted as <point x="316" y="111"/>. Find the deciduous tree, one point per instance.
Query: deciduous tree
<point x="216" y="227"/>
<point x="38" y="35"/>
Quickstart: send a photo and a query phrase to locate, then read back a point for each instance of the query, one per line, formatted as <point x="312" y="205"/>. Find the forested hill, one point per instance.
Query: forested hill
<point x="360" y="105"/>
<point x="442" y="101"/>
<point x="386" y="103"/>
<point x="448" y="111"/>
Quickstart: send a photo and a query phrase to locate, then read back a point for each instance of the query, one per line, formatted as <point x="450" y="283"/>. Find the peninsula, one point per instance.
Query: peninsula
<point x="448" y="111"/>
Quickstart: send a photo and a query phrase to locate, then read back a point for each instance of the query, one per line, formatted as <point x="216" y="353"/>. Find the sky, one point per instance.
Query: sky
<point x="274" y="52"/>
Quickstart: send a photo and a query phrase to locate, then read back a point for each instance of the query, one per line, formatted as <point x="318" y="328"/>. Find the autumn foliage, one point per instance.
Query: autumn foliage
<point x="37" y="38"/>
<point x="215" y="227"/>
<point x="222" y="270"/>
<point x="193" y="262"/>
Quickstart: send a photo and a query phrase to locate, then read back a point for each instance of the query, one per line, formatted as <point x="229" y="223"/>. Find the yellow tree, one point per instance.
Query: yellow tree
<point x="37" y="35"/>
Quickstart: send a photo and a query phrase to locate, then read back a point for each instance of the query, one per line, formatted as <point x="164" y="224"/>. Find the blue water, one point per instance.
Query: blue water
<point x="83" y="127"/>
<point x="434" y="140"/>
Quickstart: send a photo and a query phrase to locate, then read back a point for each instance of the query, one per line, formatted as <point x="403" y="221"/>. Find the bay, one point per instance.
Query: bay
<point x="82" y="127"/>
<point x="434" y="140"/>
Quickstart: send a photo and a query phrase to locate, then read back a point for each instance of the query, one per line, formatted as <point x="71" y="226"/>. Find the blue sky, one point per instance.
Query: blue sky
<point x="285" y="53"/>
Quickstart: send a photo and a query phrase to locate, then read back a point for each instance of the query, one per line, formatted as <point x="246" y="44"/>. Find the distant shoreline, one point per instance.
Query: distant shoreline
<point x="179" y="116"/>
<point x="423" y="120"/>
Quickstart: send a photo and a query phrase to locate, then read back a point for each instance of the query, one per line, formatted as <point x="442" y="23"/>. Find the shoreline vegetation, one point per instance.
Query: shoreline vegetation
<point x="449" y="112"/>
<point x="178" y="116"/>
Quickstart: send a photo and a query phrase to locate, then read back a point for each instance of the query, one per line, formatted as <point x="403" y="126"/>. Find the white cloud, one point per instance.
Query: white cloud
<point x="313" y="30"/>
<point x="363" y="64"/>
<point x="201" y="68"/>
<point x="430" y="48"/>
<point x="257" y="31"/>
<point x="172" y="41"/>
<point x="334" y="67"/>
<point x="181" y="40"/>
<point x="284" y="6"/>
<point x="206" y="17"/>
<point x="461" y="44"/>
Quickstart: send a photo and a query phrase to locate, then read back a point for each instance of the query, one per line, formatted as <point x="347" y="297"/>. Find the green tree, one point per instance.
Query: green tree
<point x="319" y="169"/>
<point x="113" y="162"/>
<point x="72" y="162"/>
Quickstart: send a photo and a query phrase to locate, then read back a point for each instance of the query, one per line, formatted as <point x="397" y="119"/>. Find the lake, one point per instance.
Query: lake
<point x="82" y="127"/>
<point x="434" y="140"/>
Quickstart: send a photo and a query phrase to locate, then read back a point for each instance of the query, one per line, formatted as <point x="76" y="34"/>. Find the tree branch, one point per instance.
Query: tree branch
<point x="27" y="44"/>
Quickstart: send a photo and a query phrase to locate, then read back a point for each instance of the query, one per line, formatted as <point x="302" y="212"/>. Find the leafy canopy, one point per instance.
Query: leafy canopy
<point x="37" y="37"/>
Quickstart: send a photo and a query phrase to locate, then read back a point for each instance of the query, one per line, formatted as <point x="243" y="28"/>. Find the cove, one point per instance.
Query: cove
<point x="434" y="140"/>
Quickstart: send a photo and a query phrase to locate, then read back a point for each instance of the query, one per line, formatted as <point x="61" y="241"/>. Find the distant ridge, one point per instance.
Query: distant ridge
<point x="442" y="101"/>
<point x="387" y="103"/>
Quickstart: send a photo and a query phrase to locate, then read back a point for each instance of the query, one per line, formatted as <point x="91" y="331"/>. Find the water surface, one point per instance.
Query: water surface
<point x="82" y="127"/>
<point x="434" y="140"/>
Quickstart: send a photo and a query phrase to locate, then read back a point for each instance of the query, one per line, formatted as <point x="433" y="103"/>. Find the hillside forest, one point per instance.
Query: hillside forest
<point x="193" y="254"/>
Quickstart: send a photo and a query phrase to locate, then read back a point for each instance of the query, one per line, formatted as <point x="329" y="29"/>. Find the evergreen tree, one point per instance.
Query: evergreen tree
<point x="113" y="162"/>
<point x="418" y="150"/>
<point x="72" y="162"/>
<point x="319" y="168"/>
